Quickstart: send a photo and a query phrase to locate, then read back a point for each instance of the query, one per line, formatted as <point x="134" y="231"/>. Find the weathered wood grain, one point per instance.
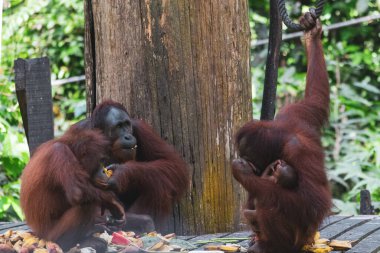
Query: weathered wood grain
<point x="5" y="226"/>
<point x="370" y="244"/>
<point x="341" y="227"/>
<point x="33" y="89"/>
<point x="184" y="67"/>
<point x="358" y="233"/>
<point x="332" y="219"/>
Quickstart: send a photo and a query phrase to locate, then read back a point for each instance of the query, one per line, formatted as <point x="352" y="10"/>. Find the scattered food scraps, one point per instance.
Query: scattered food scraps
<point x="22" y="241"/>
<point x="323" y="245"/>
<point x="151" y="242"/>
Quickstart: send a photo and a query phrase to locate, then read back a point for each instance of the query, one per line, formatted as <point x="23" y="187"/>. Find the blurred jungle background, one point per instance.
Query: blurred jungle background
<point x="55" y="28"/>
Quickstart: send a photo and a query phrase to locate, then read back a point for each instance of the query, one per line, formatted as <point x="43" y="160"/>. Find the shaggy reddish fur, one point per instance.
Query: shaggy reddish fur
<point x="288" y="218"/>
<point x="58" y="197"/>
<point x="156" y="178"/>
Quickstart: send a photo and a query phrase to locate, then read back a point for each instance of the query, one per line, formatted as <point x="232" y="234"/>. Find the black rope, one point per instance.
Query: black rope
<point x="273" y="59"/>
<point x="317" y="11"/>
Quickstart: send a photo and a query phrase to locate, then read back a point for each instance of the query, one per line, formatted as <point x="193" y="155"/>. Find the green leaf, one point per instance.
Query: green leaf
<point x="16" y="207"/>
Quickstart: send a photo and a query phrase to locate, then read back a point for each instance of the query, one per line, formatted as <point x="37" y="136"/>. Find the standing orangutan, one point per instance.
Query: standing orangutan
<point x="149" y="175"/>
<point x="286" y="218"/>
<point x="61" y="189"/>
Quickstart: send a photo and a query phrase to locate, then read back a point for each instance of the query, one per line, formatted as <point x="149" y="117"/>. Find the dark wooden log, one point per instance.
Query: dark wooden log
<point x="33" y="89"/>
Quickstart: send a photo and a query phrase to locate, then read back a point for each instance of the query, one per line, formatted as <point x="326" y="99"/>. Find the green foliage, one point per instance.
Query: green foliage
<point x="352" y="140"/>
<point x="53" y="28"/>
<point x="36" y="28"/>
<point x="13" y="153"/>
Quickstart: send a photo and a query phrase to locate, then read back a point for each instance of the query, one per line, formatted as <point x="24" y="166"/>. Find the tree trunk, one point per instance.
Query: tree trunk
<point x="183" y="66"/>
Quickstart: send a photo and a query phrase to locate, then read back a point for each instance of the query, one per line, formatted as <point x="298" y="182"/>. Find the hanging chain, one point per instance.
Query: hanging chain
<point x="317" y="11"/>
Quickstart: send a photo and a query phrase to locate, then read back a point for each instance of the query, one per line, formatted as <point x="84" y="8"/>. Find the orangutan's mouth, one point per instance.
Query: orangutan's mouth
<point x="251" y="165"/>
<point x="132" y="148"/>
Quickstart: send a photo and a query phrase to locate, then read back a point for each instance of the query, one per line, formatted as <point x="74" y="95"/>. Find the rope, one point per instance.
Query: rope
<point x="317" y="11"/>
<point x="339" y="25"/>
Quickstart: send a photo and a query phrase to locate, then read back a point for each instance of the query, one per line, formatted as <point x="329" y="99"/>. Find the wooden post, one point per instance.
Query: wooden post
<point x="366" y="206"/>
<point x="183" y="66"/>
<point x="33" y="89"/>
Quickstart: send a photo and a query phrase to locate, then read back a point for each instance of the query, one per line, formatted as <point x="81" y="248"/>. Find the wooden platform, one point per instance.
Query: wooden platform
<point x="362" y="230"/>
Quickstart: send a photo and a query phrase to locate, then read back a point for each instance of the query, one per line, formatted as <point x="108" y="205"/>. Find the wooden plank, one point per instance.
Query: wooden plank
<point x="241" y="234"/>
<point x="341" y="227"/>
<point x="185" y="237"/>
<point x="370" y="244"/>
<point x="33" y="88"/>
<point x="333" y="219"/>
<point x="362" y="231"/>
<point x="4" y="227"/>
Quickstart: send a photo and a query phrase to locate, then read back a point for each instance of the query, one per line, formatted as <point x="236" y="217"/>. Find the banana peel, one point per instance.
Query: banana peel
<point x="317" y="248"/>
<point x="340" y="245"/>
<point x="323" y="245"/>
<point x="226" y="248"/>
<point x="107" y="172"/>
<point x="230" y="248"/>
<point x="211" y="247"/>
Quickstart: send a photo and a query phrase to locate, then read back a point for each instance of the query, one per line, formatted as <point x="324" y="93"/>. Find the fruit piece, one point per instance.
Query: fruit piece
<point x="6" y="248"/>
<point x="340" y="245"/>
<point x="53" y="247"/>
<point x="322" y="241"/>
<point x="8" y="234"/>
<point x="107" y="172"/>
<point x="41" y="251"/>
<point x="229" y="248"/>
<point x="31" y="241"/>
<point x="15" y="238"/>
<point x="119" y="239"/>
<point x="17" y="246"/>
<point x="26" y="235"/>
<point x="156" y="246"/>
<point x="105" y="236"/>
<point x="41" y="243"/>
<point x="320" y="248"/>
<point x="170" y="236"/>
<point x="212" y="247"/>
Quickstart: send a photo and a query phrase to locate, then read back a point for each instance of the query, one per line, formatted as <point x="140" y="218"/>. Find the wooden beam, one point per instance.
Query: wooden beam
<point x="33" y="89"/>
